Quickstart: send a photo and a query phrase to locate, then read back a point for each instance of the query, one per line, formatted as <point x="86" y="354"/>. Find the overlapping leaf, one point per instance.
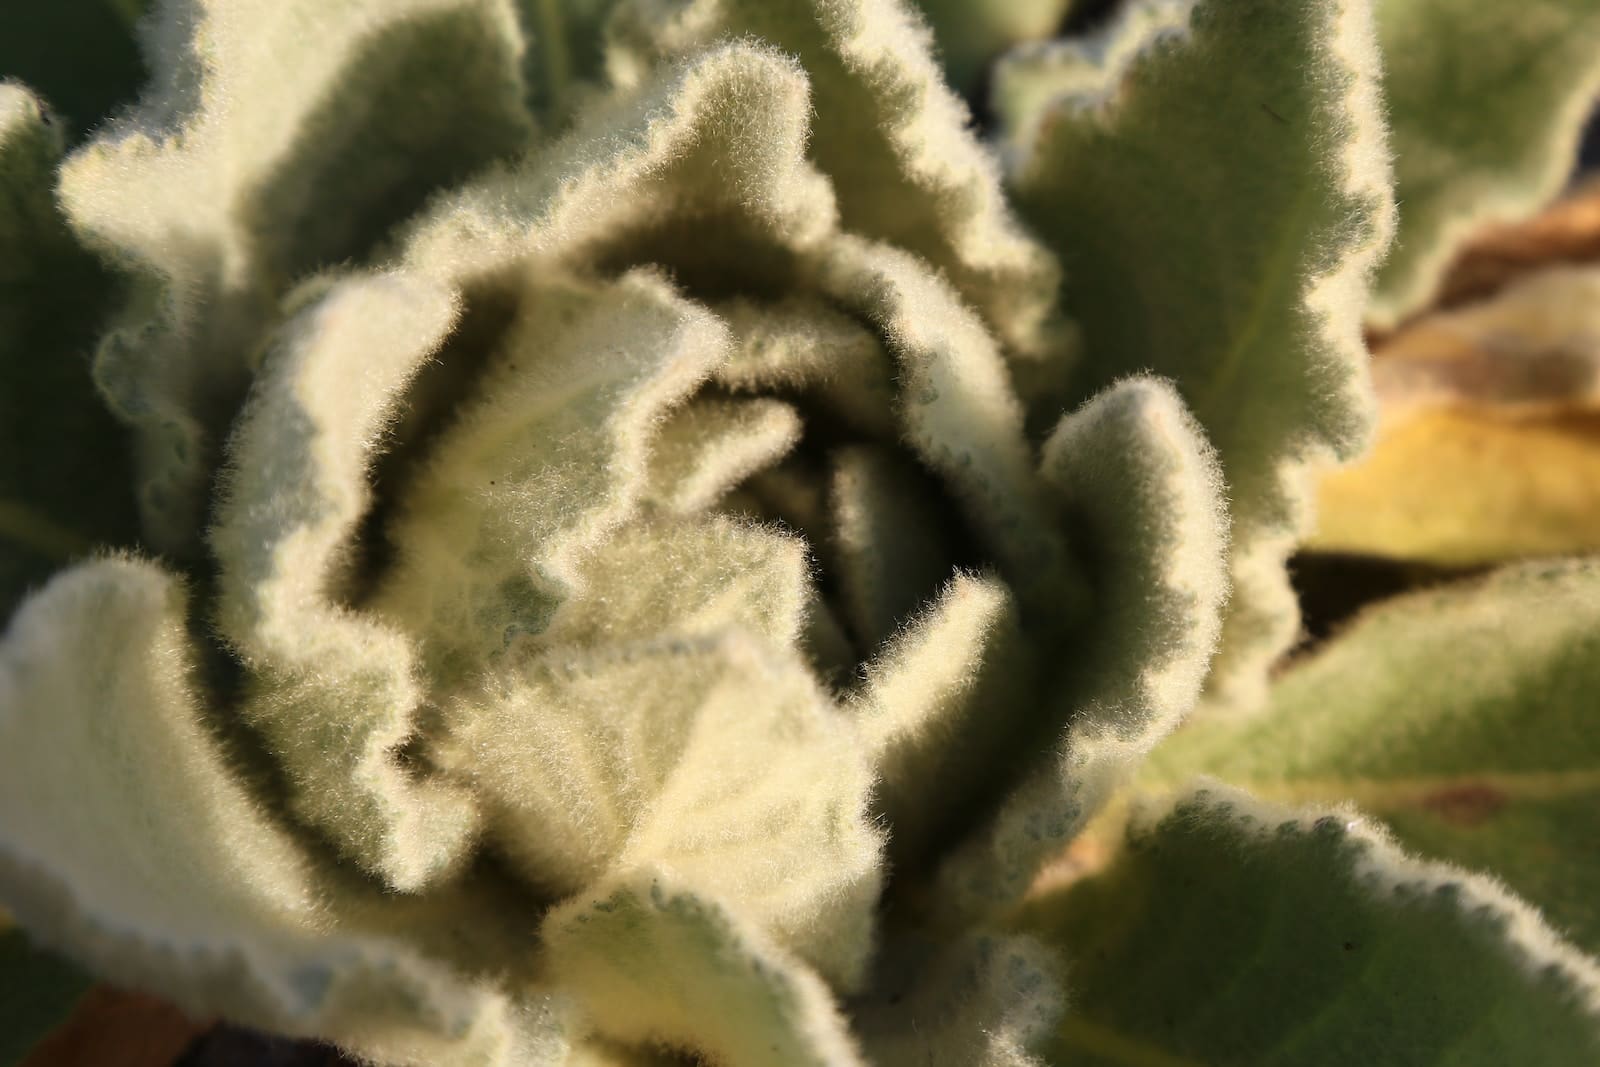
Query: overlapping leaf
<point x="888" y="132"/>
<point x="655" y="963"/>
<point x="711" y="758"/>
<point x="988" y="1000"/>
<point x="545" y="464"/>
<point x="332" y="693"/>
<point x="1140" y="488"/>
<point x="1462" y="717"/>
<point x="251" y="160"/>
<point x="1486" y="104"/>
<point x="130" y="843"/>
<point x="970" y="34"/>
<point x="713" y="143"/>
<point x="1219" y="230"/>
<point x="1231" y="931"/>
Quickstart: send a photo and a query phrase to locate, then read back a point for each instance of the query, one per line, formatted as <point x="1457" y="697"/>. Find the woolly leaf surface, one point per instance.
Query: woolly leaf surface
<point x="895" y="141"/>
<point x="1462" y="717"/>
<point x="542" y="465"/>
<point x="658" y="577"/>
<point x="653" y="961"/>
<point x="252" y="159"/>
<point x="937" y="707"/>
<point x="564" y="58"/>
<point x="333" y="693"/>
<point x="1486" y="105"/>
<point x="971" y="33"/>
<point x="1232" y="931"/>
<point x="131" y="845"/>
<point x="711" y="758"/>
<point x="63" y="472"/>
<point x="1219" y="231"/>
<point x="986" y="1000"/>
<point x="714" y="143"/>
<point x="710" y="444"/>
<point x="887" y="543"/>
<point x="1140" y="489"/>
<point x="802" y="345"/>
<point x="957" y="410"/>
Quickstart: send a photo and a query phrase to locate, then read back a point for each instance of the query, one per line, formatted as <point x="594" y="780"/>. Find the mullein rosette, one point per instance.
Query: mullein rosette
<point x="633" y="544"/>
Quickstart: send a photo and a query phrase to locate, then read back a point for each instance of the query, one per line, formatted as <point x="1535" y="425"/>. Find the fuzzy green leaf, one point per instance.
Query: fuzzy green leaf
<point x="57" y="501"/>
<point x="804" y="346"/>
<point x="712" y="758"/>
<point x="38" y="990"/>
<point x="564" y="57"/>
<point x="1231" y="931"/>
<point x="970" y="34"/>
<point x="938" y="707"/>
<point x="658" y="577"/>
<point x="893" y="138"/>
<point x="333" y="693"/>
<point x="887" y="543"/>
<point x="984" y="1001"/>
<point x="653" y="962"/>
<point x="130" y="844"/>
<point x="1486" y="102"/>
<point x="546" y="462"/>
<point x="1140" y="488"/>
<point x="711" y="444"/>
<point x="714" y="144"/>
<point x="1219" y="230"/>
<point x="253" y="159"/>
<point x="1462" y="717"/>
<point x="957" y="408"/>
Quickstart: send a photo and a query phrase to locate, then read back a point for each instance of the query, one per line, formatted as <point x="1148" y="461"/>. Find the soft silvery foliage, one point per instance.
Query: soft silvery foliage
<point x="609" y="533"/>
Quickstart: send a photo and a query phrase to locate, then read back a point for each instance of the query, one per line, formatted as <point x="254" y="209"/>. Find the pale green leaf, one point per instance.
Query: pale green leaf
<point x="334" y="694"/>
<point x="1032" y="78"/>
<point x="938" y="706"/>
<point x="1219" y="230"/>
<point x="804" y="346"/>
<point x="957" y="408"/>
<point x="713" y="758"/>
<point x="888" y="547"/>
<point x="1233" y="931"/>
<point x="64" y="478"/>
<point x="252" y="159"/>
<point x="894" y="140"/>
<point x="654" y="962"/>
<point x="130" y="844"/>
<point x="663" y="577"/>
<point x="971" y="34"/>
<point x="546" y="461"/>
<point x="710" y="444"/>
<point x="1462" y="717"/>
<point x="1140" y="489"/>
<point x="564" y="58"/>
<point x="714" y="144"/>
<point x="986" y="1000"/>
<point x="1486" y="103"/>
